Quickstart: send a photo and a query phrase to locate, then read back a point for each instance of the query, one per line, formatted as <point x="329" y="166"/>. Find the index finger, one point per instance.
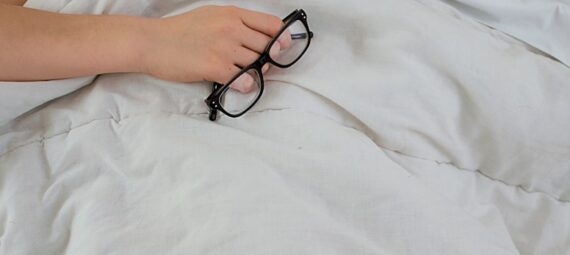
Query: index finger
<point x="264" y="23"/>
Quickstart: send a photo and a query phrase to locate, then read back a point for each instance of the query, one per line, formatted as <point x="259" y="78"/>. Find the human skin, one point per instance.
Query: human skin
<point x="209" y="43"/>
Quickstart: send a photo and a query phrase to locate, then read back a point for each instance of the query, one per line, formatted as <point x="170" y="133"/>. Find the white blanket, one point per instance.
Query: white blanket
<point x="407" y="128"/>
<point x="543" y="24"/>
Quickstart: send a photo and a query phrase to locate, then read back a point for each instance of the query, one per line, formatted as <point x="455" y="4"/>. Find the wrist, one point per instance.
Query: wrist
<point x="118" y="44"/>
<point x="139" y="40"/>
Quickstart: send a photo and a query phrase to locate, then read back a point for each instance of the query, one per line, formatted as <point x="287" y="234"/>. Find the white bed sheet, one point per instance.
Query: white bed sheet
<point x="544" y="24"/>
<point x="131" y="165"/>
<point x="16" y="98"/>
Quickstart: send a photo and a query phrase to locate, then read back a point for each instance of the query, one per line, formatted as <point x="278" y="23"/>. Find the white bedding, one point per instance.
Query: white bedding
<point x="408" y="128"/>
<point x="543" y="24"/>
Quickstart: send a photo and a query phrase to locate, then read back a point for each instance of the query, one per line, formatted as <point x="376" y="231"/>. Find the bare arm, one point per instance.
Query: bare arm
<point x="39" y="45"/>
<point x="208" y="43"/>
<point x="13" y="2"/>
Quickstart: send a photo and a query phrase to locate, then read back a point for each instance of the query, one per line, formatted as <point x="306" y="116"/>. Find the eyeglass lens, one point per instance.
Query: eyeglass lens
<point x="291" y="44"/>
<point x="246" y="89"/>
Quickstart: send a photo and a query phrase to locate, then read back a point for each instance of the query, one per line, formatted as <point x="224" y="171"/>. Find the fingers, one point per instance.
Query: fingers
<point x="264" y="23"/>
<point x="275" y="50"/>
<point x="255" y="40"/>
<point x="245" y="57"/>
<point x="245" y="83"/>
<point x="265" y="68"/>
<point x="285" y="39"/>
<point x="222" y="73"/>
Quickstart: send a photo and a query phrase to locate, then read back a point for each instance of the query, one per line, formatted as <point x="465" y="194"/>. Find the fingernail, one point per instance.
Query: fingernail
<point x="243" y="84"/>
<point x="274" y="52"/>
<point x="285" y="40"/>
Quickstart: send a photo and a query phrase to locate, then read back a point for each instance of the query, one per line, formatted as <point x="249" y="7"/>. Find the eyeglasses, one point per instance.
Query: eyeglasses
<point x="234" y="104"/>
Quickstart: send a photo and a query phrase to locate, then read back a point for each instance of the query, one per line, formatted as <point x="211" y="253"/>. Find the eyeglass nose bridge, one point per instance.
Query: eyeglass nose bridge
<point x="213" y="102"/>
<point x="263" y="59"/>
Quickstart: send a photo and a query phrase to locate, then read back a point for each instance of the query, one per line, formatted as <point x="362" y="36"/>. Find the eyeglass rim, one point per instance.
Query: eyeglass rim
<point x="213" y="101"/>
<point x="221" y="91"/>
<point x="297" y="15"/>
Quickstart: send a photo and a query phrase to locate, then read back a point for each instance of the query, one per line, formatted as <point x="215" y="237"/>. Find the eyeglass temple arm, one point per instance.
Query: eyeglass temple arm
<point x="301" y="36"/>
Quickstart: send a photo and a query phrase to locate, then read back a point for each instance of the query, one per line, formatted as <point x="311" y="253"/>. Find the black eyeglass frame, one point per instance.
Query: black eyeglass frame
<point x="213" y="101"/>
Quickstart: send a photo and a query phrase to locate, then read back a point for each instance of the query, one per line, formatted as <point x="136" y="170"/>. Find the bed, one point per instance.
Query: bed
<point x="409" y="127"/>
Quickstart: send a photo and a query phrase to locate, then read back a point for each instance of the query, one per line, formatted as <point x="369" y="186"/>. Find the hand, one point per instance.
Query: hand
<point x="209" y="43"/>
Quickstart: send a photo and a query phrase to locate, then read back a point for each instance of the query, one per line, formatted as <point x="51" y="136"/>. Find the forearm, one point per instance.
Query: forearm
<point x="13" y="2"/>
<point x="38" y="45"/>
<point x="208" y="43"/>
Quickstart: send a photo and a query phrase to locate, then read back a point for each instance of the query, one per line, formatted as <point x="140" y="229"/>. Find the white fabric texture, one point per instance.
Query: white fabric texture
<point x="545" y="24"/>
<point x="17" y="98"/>
<point x="406" y="129"/>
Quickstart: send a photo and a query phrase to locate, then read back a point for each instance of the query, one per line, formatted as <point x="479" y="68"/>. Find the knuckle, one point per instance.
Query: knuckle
<point x="252" y="57"/>
<point x="229" y="29"/>
<point x="226" y="29"/>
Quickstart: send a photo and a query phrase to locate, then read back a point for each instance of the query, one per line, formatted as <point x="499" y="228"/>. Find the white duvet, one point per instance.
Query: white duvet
<point x="408" y="128"/>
